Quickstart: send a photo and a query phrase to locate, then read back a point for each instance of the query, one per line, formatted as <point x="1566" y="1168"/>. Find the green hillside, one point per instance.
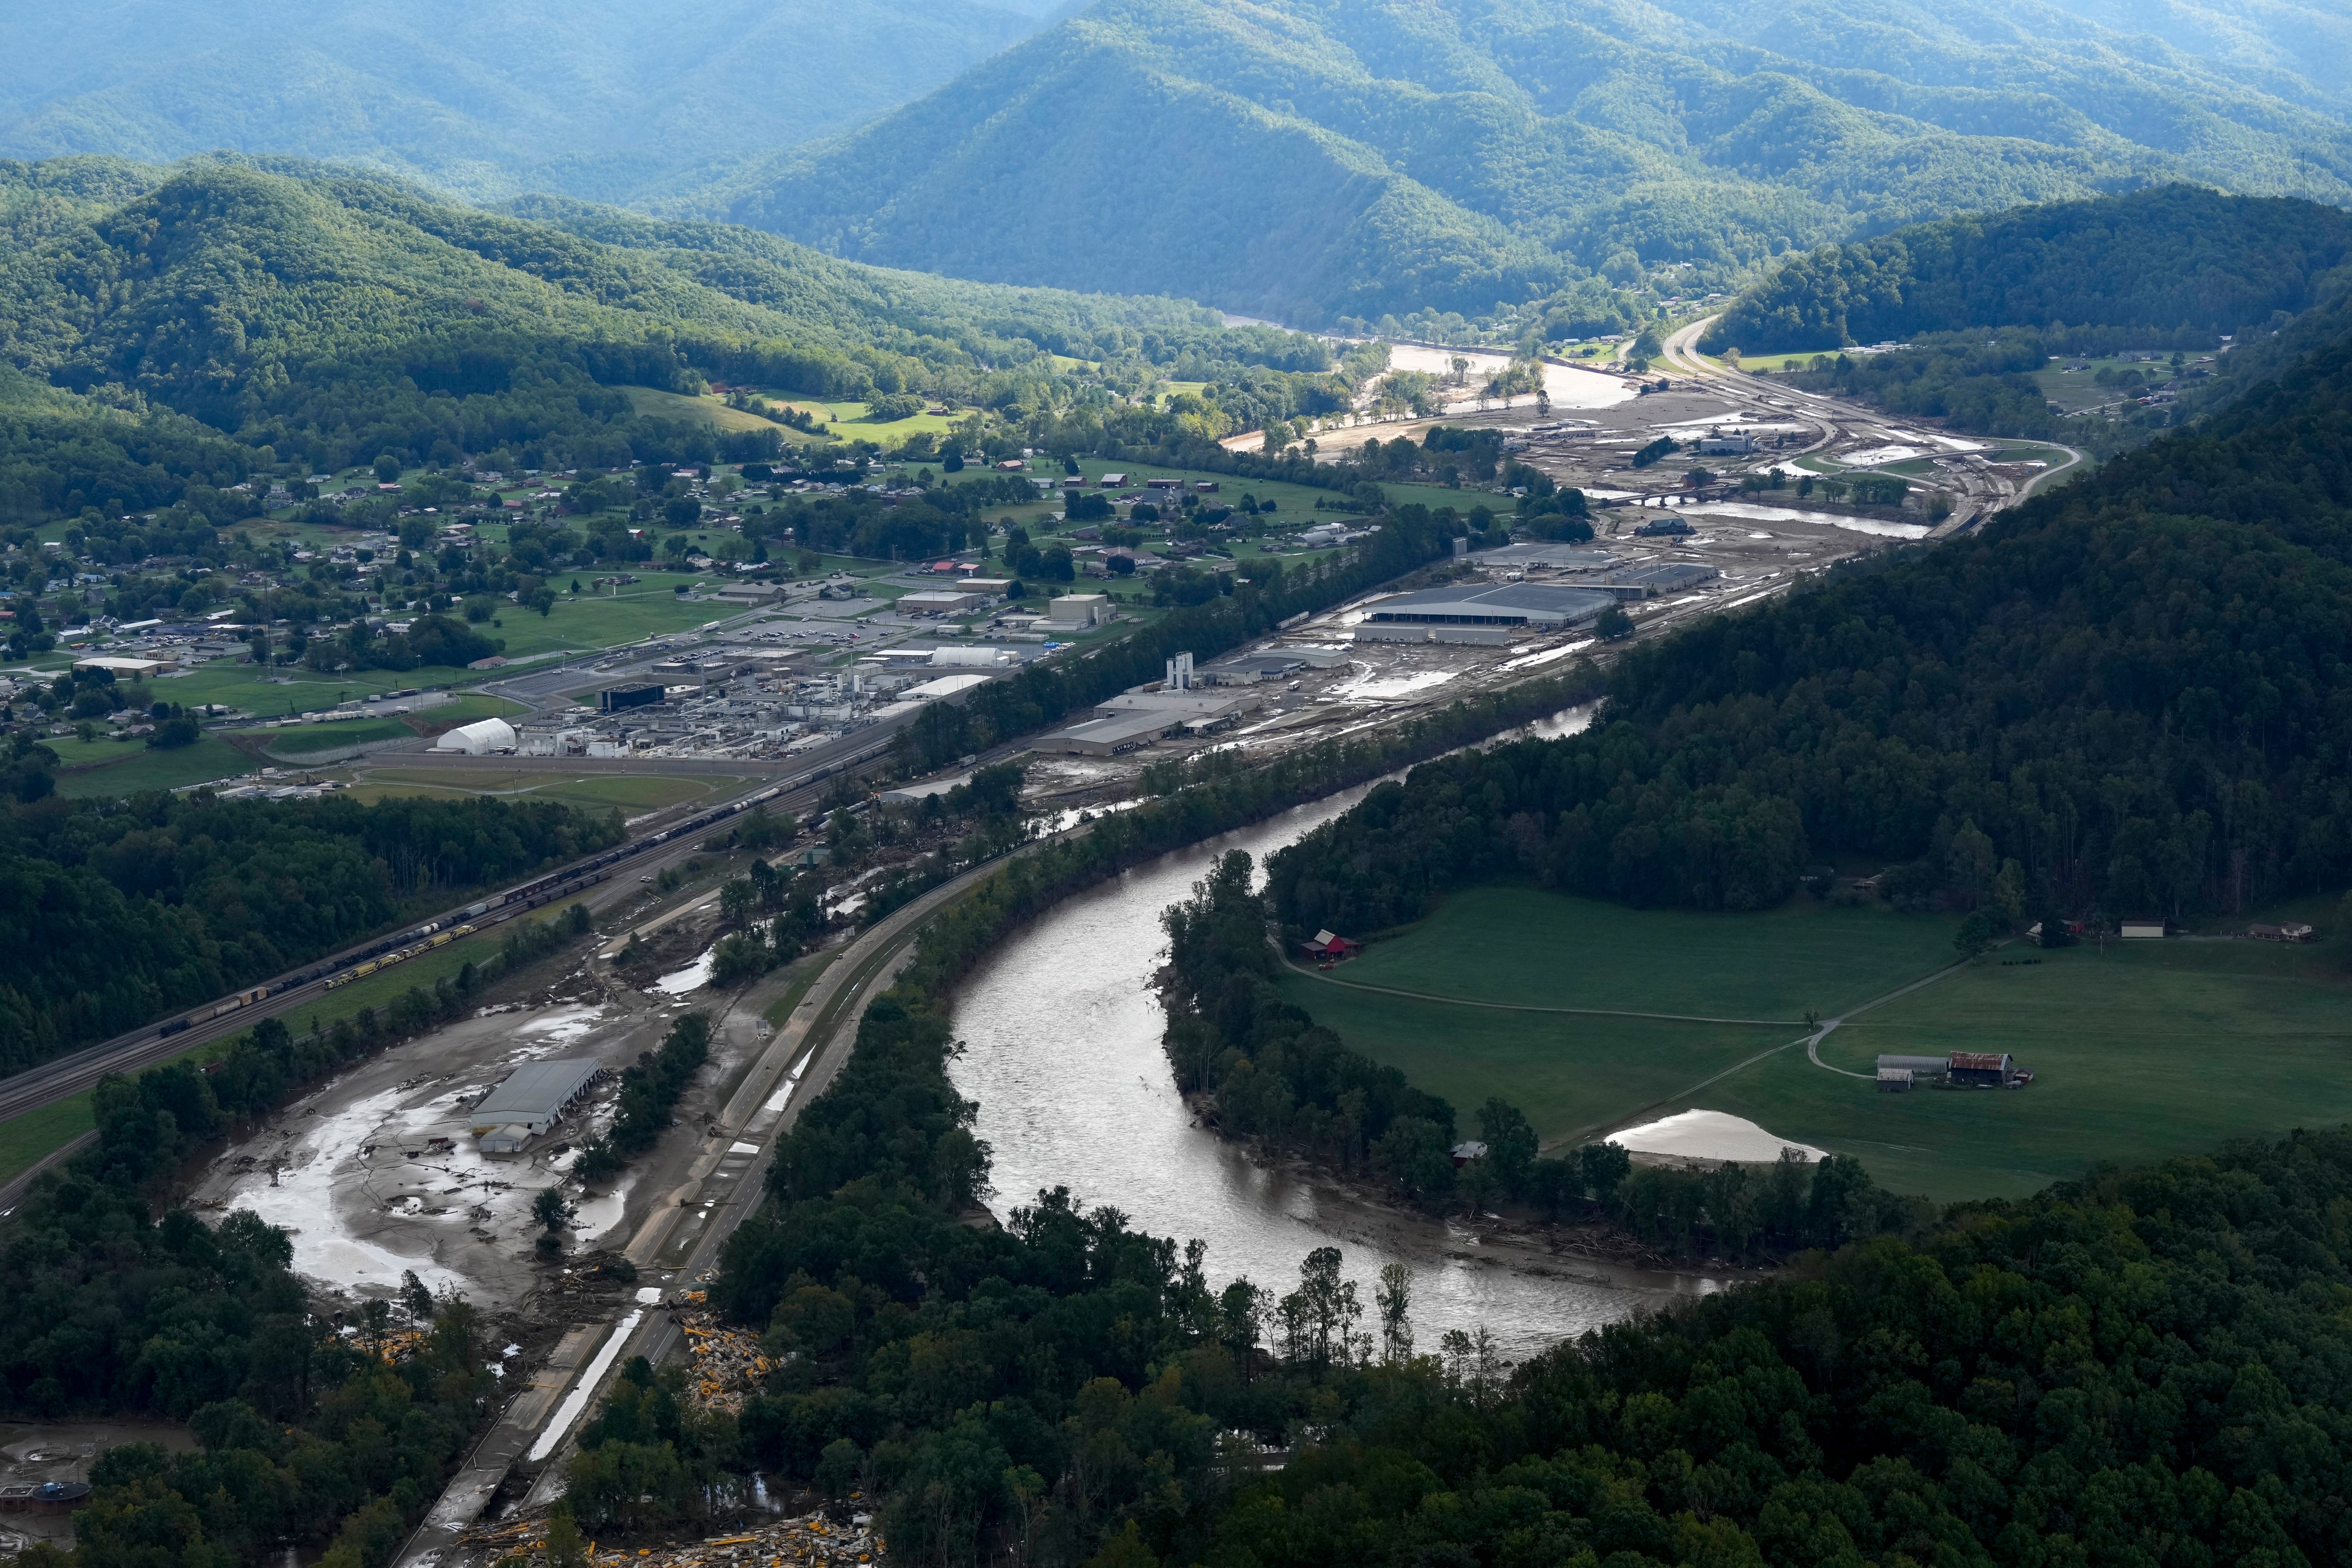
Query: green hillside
<point x="2167" y="258"/>
<point x="598" y="98"/>
<point x="1310" y="161"/>
<point x="205" y="322"/>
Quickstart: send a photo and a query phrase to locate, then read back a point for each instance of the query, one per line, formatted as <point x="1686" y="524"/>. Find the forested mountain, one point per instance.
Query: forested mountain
<point x="2125" y="697"/>
<point x="327" y="315"/>
<point x="596" y="97"/>
<point x="2157" y="261"/>
<point x="1312" y="160"/>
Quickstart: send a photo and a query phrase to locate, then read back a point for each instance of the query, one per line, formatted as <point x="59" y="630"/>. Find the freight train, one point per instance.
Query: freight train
<point x="361" y="963"/>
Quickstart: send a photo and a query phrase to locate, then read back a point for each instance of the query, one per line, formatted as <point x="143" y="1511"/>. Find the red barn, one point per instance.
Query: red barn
<point x="1328" y="946"/>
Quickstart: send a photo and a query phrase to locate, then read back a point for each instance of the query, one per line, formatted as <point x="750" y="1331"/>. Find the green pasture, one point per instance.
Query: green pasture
<point x="1778" y="363"/>
<point x="280" y="691"/>
<point x="308" y="739"/>
<point x="30" y="1137"/>
<point x="651" y="403"/>
<point x="1522" y="946"/>
<point x="852" y="421"/>
<point x="209" y="758"/>
<point x="1573" y="1075"/>
<point x="2147" y="1050"/>
<point x="629" y="792"/>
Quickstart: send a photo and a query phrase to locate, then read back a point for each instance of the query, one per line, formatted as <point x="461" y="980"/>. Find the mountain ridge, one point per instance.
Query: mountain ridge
<point x="1461" y="152"/>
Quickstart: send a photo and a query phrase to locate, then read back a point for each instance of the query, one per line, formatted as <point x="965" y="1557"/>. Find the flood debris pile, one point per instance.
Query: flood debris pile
<point x="728" y="1364"/>
<point x="802" y="1541"/>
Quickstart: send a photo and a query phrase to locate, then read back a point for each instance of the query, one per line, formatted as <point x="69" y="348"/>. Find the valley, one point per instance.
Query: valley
<point x="1175" y="784"/>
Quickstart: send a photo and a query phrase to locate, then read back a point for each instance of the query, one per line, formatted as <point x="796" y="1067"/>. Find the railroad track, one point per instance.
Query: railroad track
<point x="66" y="1076"/>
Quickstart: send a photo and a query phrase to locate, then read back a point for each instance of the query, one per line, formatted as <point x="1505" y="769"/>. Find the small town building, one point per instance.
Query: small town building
<point x="2290" y="931"/>
<point x="1894" y="1081"/>
<point x="122" y="668"/>
<point x="1919" y="1068"/>
<point x="2143" y="930"/>
<point x="1464" y="1153"/>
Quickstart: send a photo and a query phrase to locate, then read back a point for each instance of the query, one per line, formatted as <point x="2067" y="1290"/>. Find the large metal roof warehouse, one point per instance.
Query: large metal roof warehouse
<point x="535" y="1096"/>
<point x="1505" y="605"/>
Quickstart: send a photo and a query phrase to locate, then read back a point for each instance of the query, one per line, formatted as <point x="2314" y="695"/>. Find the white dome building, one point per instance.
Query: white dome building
<point x="479" y="738"/>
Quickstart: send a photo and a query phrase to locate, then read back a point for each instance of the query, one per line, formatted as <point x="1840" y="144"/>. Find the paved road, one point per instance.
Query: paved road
<point x="680" y="1242"/>
<point x="1983" y="492"/>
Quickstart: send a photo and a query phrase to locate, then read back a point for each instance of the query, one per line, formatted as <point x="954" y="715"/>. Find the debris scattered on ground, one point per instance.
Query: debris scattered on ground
<point x="801" y="1542"/>
<point x="728" y="1363"/>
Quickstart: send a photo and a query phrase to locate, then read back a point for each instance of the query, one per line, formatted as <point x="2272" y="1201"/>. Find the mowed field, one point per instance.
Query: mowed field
<point x="629" y="793"/>
<point x="2148" y="1050"/>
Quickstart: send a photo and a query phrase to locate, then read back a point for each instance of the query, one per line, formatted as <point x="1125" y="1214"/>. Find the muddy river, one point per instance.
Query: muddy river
<point x="1064" y="1060"/>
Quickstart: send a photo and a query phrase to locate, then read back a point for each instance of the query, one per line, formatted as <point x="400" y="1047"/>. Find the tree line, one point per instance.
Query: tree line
<point x="117" y="911"/>
<point x="2171" y="260"/>
<point x="311" y="1428"/>
<point x="2117" y="696"/>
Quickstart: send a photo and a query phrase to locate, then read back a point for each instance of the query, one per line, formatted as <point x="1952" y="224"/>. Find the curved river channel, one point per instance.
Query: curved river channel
<point x="1064" y="1060"/>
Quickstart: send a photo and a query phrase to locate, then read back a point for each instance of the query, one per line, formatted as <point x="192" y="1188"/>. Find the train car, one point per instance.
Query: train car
<point x="173" y="1028"/>
<point x="444" y="939"/>
<point x="463" y="931"/>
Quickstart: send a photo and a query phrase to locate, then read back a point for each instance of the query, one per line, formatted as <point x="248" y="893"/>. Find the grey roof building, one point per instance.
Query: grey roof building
<point x="1656" y="580"/>
<point x="1508" y="604"/>
<point x="1109" y="737"/>
<point x="535" y="1096"/>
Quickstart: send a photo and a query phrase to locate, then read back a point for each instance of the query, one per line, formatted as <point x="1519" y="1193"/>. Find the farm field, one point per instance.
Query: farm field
<point x="650" y="608"/>
<point x="308" y="740"/>
<point x="209" y="758"/>
<point x="1523" y="946"/>
<point x="283" y="691"/>
<point x="629" y="792"/>
<point x="24" y="1139"/>
<point x="652" y="402"/>
<point x="2153" y="1050"/>
<point x="1574" y="1075"/>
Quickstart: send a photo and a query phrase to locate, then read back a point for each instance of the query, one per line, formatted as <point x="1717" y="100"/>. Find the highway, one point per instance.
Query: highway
<point x="681" y="1241"/>
<point x="1982" y="491"/>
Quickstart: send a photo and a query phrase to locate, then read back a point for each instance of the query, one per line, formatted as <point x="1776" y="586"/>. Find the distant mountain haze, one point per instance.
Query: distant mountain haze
<point x="605" y="99"/>
<point x="1309" y="159"/>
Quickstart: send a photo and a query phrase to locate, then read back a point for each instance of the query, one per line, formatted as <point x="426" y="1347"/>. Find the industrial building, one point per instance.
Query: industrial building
<point x="479" y="738"/>
<point x="1655" y="581"/>
<point x="1505" y="605"/>
<point x="1080" y="610"/>
<point x="1194" y="710"/>
<point x="1541" y="556"/>
<point x="620" y="699"/>
<point x="1110" y="737"/>
<point x="534" y="1099"/>
<point x="940" y="602"/>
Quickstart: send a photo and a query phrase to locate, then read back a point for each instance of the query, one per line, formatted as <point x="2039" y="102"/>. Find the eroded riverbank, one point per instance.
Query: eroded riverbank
<point x="1064" y="1060"/>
